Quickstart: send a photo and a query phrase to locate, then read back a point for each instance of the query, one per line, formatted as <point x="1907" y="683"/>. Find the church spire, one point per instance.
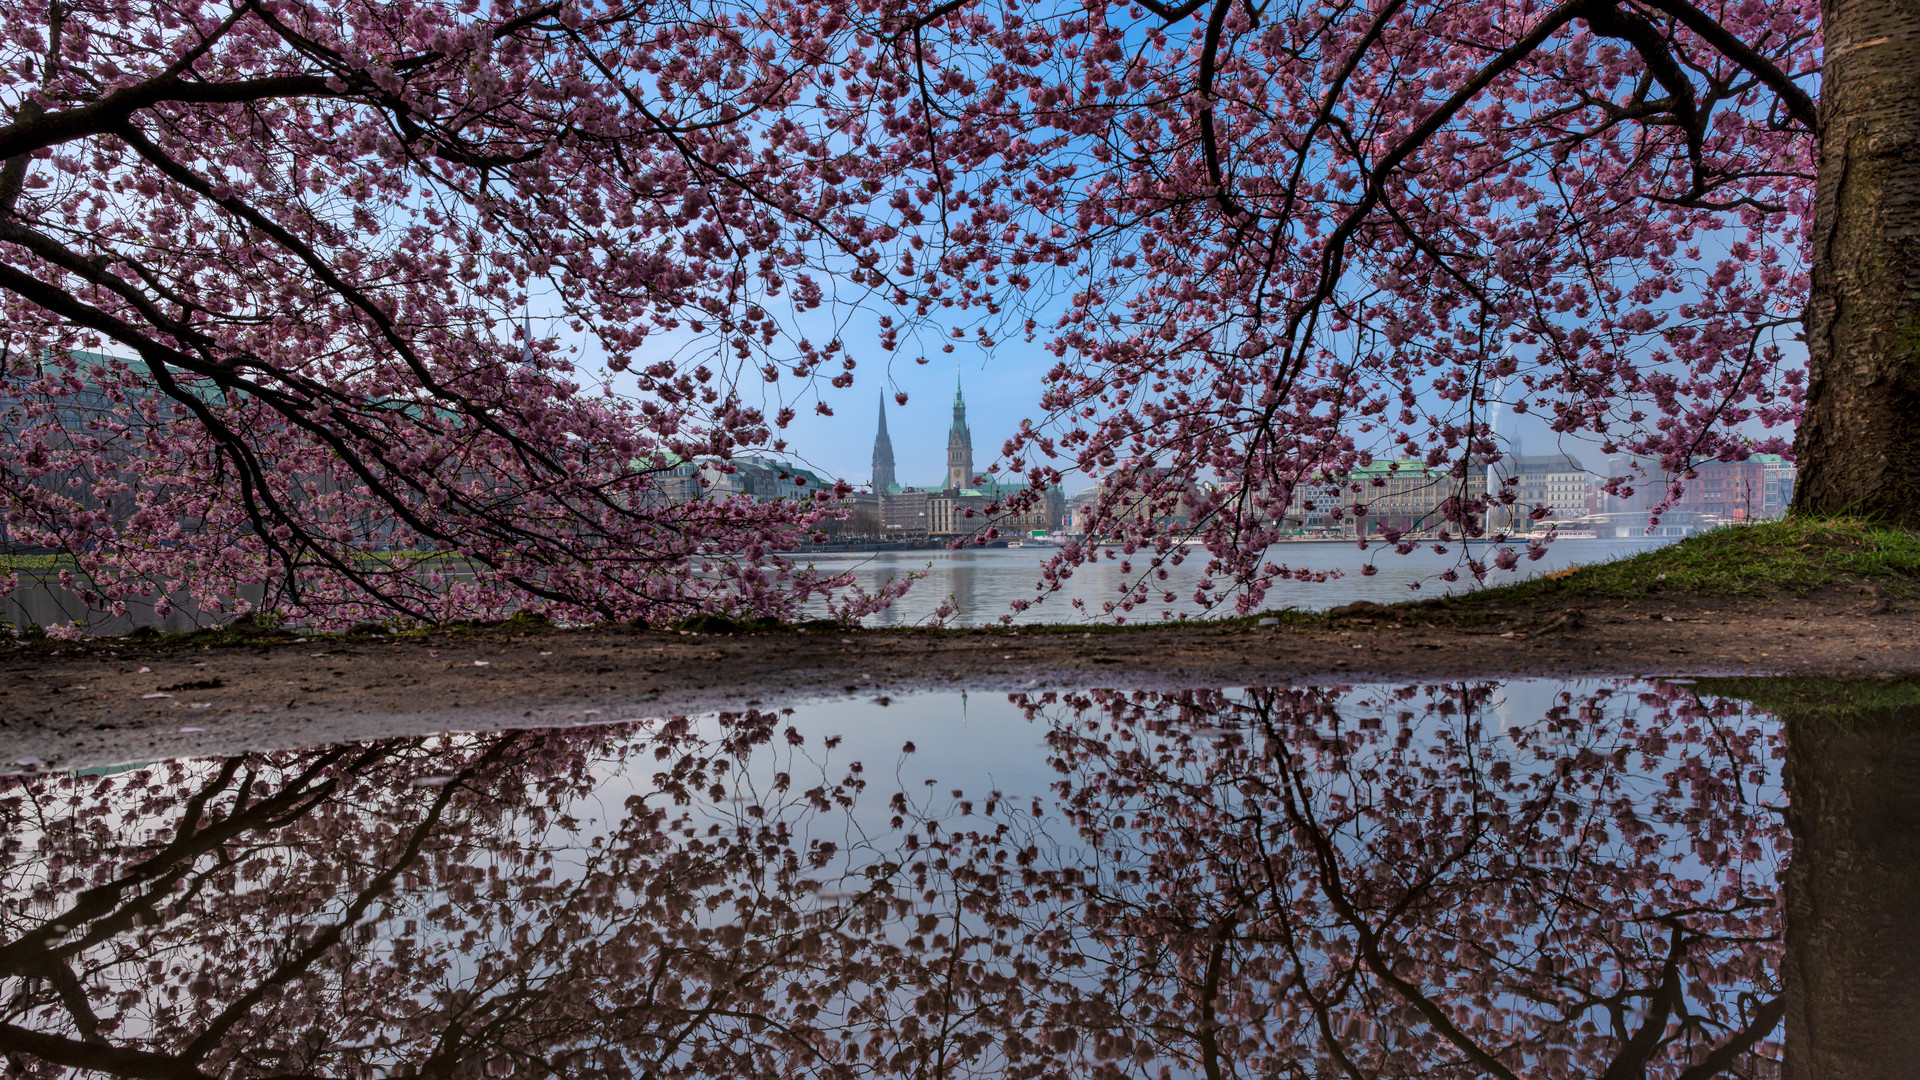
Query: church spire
<point x="883" y="477"/>
<point x="959" y="443"/>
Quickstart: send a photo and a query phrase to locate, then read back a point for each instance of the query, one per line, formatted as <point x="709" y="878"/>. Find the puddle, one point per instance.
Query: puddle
<point x="1529" y="878"/>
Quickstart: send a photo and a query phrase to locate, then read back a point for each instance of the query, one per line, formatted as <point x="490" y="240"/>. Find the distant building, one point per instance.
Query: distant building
<point x="762" y="479"/>
<point x="1556" y="481"/>
<point x="883" y="478"/>
<point x="964" y="503"/>
<point x="674" y="480"/>
<point x="1400" y="494"/>
<point x="1725" y="491"/>
<point x="959" y="445"/>
<point x="88" y="411"/>
<point x="1078" y="508"/>
<point x="1641" y="482"/>
<point x="862" y="517"/>
<point x="1565" y="490"/>
<point x="1719" y="492"/>
<point x="904" y="512"/>
<point x="1144" y="492"/>
<point x="1777" y="479"/>
<point x="110" y="412"/>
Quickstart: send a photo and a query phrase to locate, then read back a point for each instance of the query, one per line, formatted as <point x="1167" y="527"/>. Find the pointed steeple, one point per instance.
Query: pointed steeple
<point x="959" y="443"/>
<point x="882" y="452"/>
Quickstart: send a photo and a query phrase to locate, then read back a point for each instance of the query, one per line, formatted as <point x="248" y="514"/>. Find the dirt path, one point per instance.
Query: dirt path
<point x="107" y="702"/>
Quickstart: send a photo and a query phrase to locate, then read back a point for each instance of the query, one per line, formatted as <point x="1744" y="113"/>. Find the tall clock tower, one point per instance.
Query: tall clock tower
<point x="959" y="444"/>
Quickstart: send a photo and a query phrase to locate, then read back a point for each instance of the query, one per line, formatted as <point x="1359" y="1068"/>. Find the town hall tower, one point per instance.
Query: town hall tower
<point x="959" y="445"/>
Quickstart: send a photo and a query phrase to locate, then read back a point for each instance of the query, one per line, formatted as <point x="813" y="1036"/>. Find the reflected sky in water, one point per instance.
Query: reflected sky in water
<point x="980" y="583"/>
<point x="1463" y="880"/>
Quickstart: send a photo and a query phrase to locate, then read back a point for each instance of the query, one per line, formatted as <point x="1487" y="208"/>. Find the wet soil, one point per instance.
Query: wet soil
<point x="96" y="703"/>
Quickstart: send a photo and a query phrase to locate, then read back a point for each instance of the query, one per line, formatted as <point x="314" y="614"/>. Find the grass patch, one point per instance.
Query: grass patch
<point x="35" y="564"/>
<point x="1767" y="560"/>
<point x="1808" y="696"/>
<point x="52" y="563"/>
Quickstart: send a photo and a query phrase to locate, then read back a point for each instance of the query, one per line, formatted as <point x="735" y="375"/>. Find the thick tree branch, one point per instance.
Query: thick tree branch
<point x="110" y="114"/>
<point x="1646" y="40"/>
<point x="1800" y="105"/>
<point x="91" y="1057"/>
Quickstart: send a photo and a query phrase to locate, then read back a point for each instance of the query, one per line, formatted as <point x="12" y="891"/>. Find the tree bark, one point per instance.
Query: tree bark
<point x="1853" y="894"/>
<point x="1859" y="442"/>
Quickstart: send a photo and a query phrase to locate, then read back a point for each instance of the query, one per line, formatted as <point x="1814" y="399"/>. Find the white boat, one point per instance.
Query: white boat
<point x="1564" y="534"/>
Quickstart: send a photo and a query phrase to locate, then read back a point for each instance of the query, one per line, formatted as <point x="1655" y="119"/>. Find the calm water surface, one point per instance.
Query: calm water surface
<point x="982" y="582"/>
<point x="1527" y="879"/>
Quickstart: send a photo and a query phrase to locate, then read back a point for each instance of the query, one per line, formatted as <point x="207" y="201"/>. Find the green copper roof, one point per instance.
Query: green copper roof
<point x="959" y="408"/>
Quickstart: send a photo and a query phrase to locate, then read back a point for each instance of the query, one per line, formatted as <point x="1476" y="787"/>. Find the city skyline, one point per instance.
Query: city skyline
<point x="999" y="397"/>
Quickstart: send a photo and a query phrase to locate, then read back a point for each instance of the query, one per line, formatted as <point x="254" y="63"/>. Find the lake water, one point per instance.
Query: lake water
<point x="1485" y="878"/>
<point x="981" y="582"/>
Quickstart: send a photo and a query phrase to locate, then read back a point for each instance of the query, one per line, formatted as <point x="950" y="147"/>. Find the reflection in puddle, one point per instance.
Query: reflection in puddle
<point x="1467" y="880"/>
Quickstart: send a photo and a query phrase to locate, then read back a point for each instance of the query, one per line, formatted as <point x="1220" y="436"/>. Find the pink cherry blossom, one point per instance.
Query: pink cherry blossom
<point x="1263" y="244"/>
<point x="1398" y="882"/>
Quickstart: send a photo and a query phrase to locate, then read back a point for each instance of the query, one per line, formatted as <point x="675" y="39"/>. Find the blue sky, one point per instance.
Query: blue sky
<point x="1001" y="391"/>
<point x="1002" y="385"/>
<point x="1002" y="388"/>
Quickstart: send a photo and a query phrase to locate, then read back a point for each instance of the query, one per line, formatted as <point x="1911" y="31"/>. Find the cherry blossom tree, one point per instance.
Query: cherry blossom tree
<point x="260" y="265"/>
<point x="1267" y="242"/>
<point x="1290" y="239"/>
<point x="454" y="906"/>
<point x="1275" y="882"/>
<point x="1311" y="882"/>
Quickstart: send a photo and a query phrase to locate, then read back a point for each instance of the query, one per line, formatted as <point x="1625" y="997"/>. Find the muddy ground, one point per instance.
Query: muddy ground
<point x="67" y="705"/>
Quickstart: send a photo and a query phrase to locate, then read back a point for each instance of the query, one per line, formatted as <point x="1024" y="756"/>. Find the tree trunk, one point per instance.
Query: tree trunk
<point x="1853" y="894"/>
<point x="1859" y="443"/>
